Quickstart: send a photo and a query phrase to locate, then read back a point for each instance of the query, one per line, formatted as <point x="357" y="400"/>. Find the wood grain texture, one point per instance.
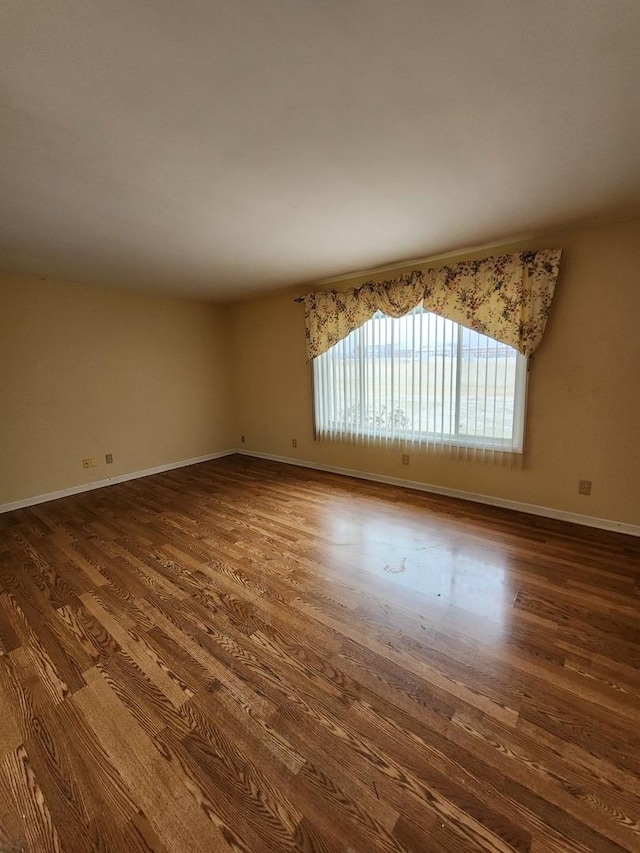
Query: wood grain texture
<point x="246" y="656"/>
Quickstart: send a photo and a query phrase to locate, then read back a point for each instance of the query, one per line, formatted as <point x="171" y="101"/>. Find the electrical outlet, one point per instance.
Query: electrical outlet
<point x="108" y="458"/>
<point x="584" y="487"/>
<point x="405" y="458"/>
<point x="86" y="463"/>
<point x="294" y="442"/>
<point x="242" y="439"/>
<point x="90" y="462"/>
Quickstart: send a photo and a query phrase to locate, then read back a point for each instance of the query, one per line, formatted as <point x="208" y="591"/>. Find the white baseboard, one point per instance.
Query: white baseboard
<point x="518" y="506"/>
<point x="110" y="481"/>
<point x="532" y="509"/>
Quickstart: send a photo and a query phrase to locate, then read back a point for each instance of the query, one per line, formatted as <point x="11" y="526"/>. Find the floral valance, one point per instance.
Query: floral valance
<point x="507" y="297"/>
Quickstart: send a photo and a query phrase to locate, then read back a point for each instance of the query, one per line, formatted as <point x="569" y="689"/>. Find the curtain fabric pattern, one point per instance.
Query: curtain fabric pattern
<point x="507" y="297"/>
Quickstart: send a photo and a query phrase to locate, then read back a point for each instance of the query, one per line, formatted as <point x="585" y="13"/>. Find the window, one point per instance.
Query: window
<point x="421" y="379"/>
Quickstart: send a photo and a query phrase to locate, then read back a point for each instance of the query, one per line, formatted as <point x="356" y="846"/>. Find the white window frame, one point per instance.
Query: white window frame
<point x="408" y="437"/>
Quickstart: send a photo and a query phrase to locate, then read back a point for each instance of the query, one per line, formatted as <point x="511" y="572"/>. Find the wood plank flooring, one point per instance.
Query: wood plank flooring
<point x="246" y="656"/>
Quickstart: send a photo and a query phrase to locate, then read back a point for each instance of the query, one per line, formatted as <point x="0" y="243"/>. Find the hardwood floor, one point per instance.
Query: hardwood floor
<point x="248" y="656"/>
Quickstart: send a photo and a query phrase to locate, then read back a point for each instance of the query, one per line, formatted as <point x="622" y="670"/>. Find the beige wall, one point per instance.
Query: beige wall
<point x="86" y="371"/>
<point x="584" y="392"/>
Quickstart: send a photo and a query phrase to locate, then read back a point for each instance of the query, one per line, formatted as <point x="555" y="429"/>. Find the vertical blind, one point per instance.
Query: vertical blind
<point x="421" y="379"/>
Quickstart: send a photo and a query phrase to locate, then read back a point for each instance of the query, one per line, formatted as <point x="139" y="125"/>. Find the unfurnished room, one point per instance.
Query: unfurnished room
<point x="319" y="426"/>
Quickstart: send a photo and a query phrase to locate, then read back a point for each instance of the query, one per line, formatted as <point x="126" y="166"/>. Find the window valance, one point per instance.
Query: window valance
<point x="507" y="297"/>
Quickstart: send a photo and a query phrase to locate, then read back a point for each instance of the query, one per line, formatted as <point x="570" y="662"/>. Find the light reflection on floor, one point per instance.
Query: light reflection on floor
<point x="407" y="549"/>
